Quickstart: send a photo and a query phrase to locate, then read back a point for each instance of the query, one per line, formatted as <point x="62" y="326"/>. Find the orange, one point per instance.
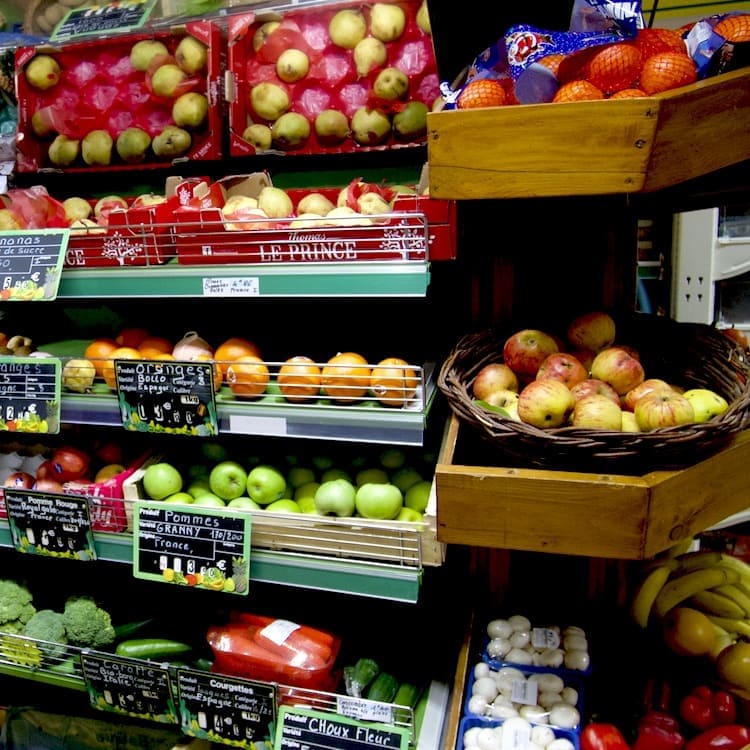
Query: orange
<point x="614" y="67"/>
<point x="122" y="352"/>
<point x="346" y="377"/>
<point x="734" y="28"/>
<point x="299" y="379"/>
<point x="156" y="354"/>
<point x="667" y="70"/>
<point x="232" y="349"/>
<point x="576" y="91"/>
<point x="155" y="343"/>
<point x="131" y="337"/>
<point x="551" y="62"/>
<point x="248" y="376"/>
<point x="688" y="631"/>
<point x="98" y="351"/>
<point x="218" y="375"/>
<point x="628" y="94"/>
<point x="652" y="41"/>
<point x="393" y="381"/>
<point x="481" y="92"/>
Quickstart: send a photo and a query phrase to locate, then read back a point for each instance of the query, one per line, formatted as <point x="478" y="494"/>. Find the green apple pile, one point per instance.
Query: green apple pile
<point x="389" y="487"/>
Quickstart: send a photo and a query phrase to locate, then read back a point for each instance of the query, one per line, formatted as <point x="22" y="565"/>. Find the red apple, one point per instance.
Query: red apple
<point x="592" y="385"/>
<point x="495" y="376"/>
<point x="564" y="367"/>
<point x="584" y="356"/>
<point x="647" y="386"/>
<point x="629" y="422"/>
<point x="614" y="365"/>
<point x="19" y="480"/>
<point x="68" y="463"/>
<point x="593" y="330"/>
<point x="526" y="349"/>
<point x="45" y="470"/>
<point x="47" y="485"/>
<point x="597" y="412"/>
<point x="663" y="409"/>
<point x="739" y="337"/>
<point x="545" y="403"/>
<point x="109" y="452"/>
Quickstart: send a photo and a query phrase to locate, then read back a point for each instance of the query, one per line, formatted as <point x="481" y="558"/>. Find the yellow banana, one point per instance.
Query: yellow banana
<point x="734" y="592"/>
<point x="646" y="593"/>
<point x="702" y="559"/>
<point x="732" y="625"/>
<point x="713" y="602"/>
<point x="677" y="590"/>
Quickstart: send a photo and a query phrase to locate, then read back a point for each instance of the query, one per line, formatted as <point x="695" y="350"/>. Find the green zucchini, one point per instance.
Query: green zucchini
<point x="358" y="676"/>
<point x="151" y="648"/>
<point x="407" y="694"/>
<point x="383" y="688"/>
<point x="419" y="711"/>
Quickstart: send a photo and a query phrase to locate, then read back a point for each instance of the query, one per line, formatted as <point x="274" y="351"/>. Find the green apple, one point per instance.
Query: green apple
<point x="371" y="476"/>
<point x="243" y="502"/>
<point x="209" y="500"/>
<point x="284" y="505"/>
<point x="335" y="472"/>
<point x="418" y="496"/>
<point x="392" y="458"/>
<point x="228" y="479"/>
<point x="214" y="452"/>
<point x="180" y="497"/>
<point x="161" y="480"/>
<point x="382" y="501"/>
<point x="321" y="463"/>
<point x="265" y="483"/>
<point x="336" y="497"/>
<point x="307" y="504"/>
<point x="299" y="475"/>
<point x="410" y="515"/>
<point x="405" y="477"/>
<point x="199" y="486"/>
<point x="706" y="403"/>
<point x="306" y="490"/>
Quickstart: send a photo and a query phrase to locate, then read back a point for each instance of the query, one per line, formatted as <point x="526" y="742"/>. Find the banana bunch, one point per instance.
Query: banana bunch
<point x="714" y="583"/>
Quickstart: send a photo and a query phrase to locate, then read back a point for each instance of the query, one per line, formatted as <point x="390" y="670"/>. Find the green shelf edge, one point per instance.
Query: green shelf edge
<point x="47" y="677"/>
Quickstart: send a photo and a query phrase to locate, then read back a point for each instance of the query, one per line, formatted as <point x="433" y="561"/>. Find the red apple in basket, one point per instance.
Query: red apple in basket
<point x="736" y="335"/>
<point x="584" y="356"/>
<point x="19" y="480"/>
<point x="545" y="403"/>
<point x="649" y="385"/>
<point x="592" y="385"/>
<point x="597" y="411"/>
<point x="68" y="462"/>
<point x="593" y="330"/>
<point x="619" y="368"/>
<point x="505" y="399"/>
<point x="663" y="409"/>
<point x="495" y="376"/>
<point x="564" y="367"/>
<point x="526" y="349"/>
<point x="47" y="485"/>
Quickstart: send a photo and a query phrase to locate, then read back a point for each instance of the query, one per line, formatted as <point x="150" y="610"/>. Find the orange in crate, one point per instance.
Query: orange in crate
<point x="667" y="70"/>
<point x="628" y="94"/>
<point x="481" y="92"/>
<point x="346" y="377"/>
<point x="614" y="67"/>
<point x="735" y="28"/>
<point x="577" y="91"/>
<point x="299" y="379"/>
<point x="232" y="349"/>
<point x="98" y="351"/>
<point x="121" y="352"/>
<point x="248" y="376"/>
<point x="652" y="41"/>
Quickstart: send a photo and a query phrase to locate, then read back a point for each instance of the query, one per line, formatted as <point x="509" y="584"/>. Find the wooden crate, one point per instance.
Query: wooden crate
<point x="591" y="148"/>
<point x="597" y="515"/>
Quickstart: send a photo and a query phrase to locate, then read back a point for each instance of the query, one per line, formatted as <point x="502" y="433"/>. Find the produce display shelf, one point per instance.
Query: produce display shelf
<point x="637" y="145"/>
<point x="361" y="279"/>
<point x="625" y="516"/>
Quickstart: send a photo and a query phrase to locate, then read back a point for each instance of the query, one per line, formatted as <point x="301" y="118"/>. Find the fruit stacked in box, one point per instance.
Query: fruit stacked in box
<point x="336" y="78"/>
<point x="124" y="102"/>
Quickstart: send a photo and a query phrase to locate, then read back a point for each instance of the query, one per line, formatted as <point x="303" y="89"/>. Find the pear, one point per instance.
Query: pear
<point x="331" y="127"/>
<point x="77" y="208"/>
<point x="166" y="80"/>
<point x="148" y="199"/>
<point x="370" y="127"/>
<point x="9" y="220"/>
<point x="391" y="83"/>
<point x="314" y="203"/>
<point x="143" y="52"/>
<point x="191" y="55"/>
<point x="63" y="151"/>
<point x="86" y="226"/>
<point x="370" y="53"/>
<point x="171" y="142"/>
<point x="269" y="100"/>
<point x="290" y="131"/>
<point x="40" y="124"/>
<point x="131" y="145"/>
<point x="263" y="32"/>
<point x="275" y="202"/>
<point x="411" y="121"/>
<point x="347" y="27"/>
<point x="292" y="65"/>
<point x="258" y="136"/>
<point x="387" y="22"/>
<point x="96" y="148"/>
<point x="423" y="18"/>
<point x="42" y="72"/>
<point x="190" y="110"/>
<point x="373" y="203"/>
<point x="104" y="206"/>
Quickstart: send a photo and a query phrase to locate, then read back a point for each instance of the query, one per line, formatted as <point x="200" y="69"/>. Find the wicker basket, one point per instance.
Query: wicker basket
<point x="689" y="354"/>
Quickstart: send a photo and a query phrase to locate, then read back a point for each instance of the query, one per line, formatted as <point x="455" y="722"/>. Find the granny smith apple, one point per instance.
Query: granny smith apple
<point x="410" y="515"/>
<point x="228" y="479"/>
<point x="418" y="496"/>
<point x="306" y="490"/>
<point x="383" y="501"/>
<point x="180" y="497"/>
<point x="265" y="483"/>
<point x="307" y="504"/>
<point x="321" y="463"/>
<point x="243" y="503"/>
<point x="284" y="505"/>
<point x="161" y="480"/>
<point x="198" y="486"/>
<point x="299" y="475"/>
<point x="335" y="472"/>
<point x="209" y="500"/>
<point x="336" y="498"/>
<point x="214" y="452"/>
<point x="405" y="477"/>
<point x="392" y="458"/>
<point x="371" y="476"/>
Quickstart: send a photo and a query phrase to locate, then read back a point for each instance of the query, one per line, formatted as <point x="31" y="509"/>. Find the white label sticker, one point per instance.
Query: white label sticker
<point x="279" y="630"/>
<point x="364" y="710"/>
<point x="542" y="638"/>
<point x="524" y="691"/>
<point x="516" y="735"/>
<point x="231" y="287"/>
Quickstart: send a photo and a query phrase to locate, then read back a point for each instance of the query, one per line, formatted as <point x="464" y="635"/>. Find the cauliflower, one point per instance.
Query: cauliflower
<point x="86" y="623"/>
<point x="16" y="606"/>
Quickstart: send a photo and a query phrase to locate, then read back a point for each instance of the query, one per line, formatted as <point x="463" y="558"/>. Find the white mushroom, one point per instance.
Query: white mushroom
<point x="499" y="629"/>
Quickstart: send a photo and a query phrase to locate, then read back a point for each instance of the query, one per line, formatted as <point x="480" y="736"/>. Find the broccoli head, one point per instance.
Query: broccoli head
<point x="46" y="625"/>
<point x="15" y="603"/>
<point x="86" y="623"/>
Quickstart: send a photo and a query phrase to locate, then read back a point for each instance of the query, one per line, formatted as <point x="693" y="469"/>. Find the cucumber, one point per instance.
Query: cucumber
<point x="151" y="648"/>
<point x="407" y="694"/>
<point x="419" y="711"/>
<point x="359" y="676"/>
<point x="383" y="688"/>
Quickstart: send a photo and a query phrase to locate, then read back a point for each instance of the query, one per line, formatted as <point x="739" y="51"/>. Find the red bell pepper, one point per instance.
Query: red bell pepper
<point x="602" y="736"/>
<point x="704" y="708"/>
<point x="658" y="730"/>
<point x="722" y="737"/>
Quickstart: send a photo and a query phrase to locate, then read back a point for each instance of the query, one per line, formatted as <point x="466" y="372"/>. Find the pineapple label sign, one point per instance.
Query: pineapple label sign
<point x="30" y="394"/>
<point x="187" y="546"/>
<point x="31" y="262"/>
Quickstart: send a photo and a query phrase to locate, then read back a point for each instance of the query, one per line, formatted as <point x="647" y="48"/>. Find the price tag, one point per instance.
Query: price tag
<point x="103" y="19"/>
<point x="31" y="262"/>
<point x="225" y="709"/>
<point x="30" y="394"/>
<point x="241" y="286"/>
<point x="129" y="686"/>
<point x="314" y="730"/>
<point x="187" y="546"/>
<point x="50" y="524"/>
<point x="167" y="397"/>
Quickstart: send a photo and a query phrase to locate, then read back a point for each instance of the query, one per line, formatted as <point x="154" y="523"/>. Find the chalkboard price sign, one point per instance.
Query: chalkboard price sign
<point x="30" y="394"/>
<point x="315" y="730"/>
<point x="224" y="709"/>
<point x="31" y="262"/>
<point x="52" y="524"/>
<point x="204" y="547"/>
<point x="167" y="397"/>
<point x="103" y="19"/>
<point x="129" y="686"/>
